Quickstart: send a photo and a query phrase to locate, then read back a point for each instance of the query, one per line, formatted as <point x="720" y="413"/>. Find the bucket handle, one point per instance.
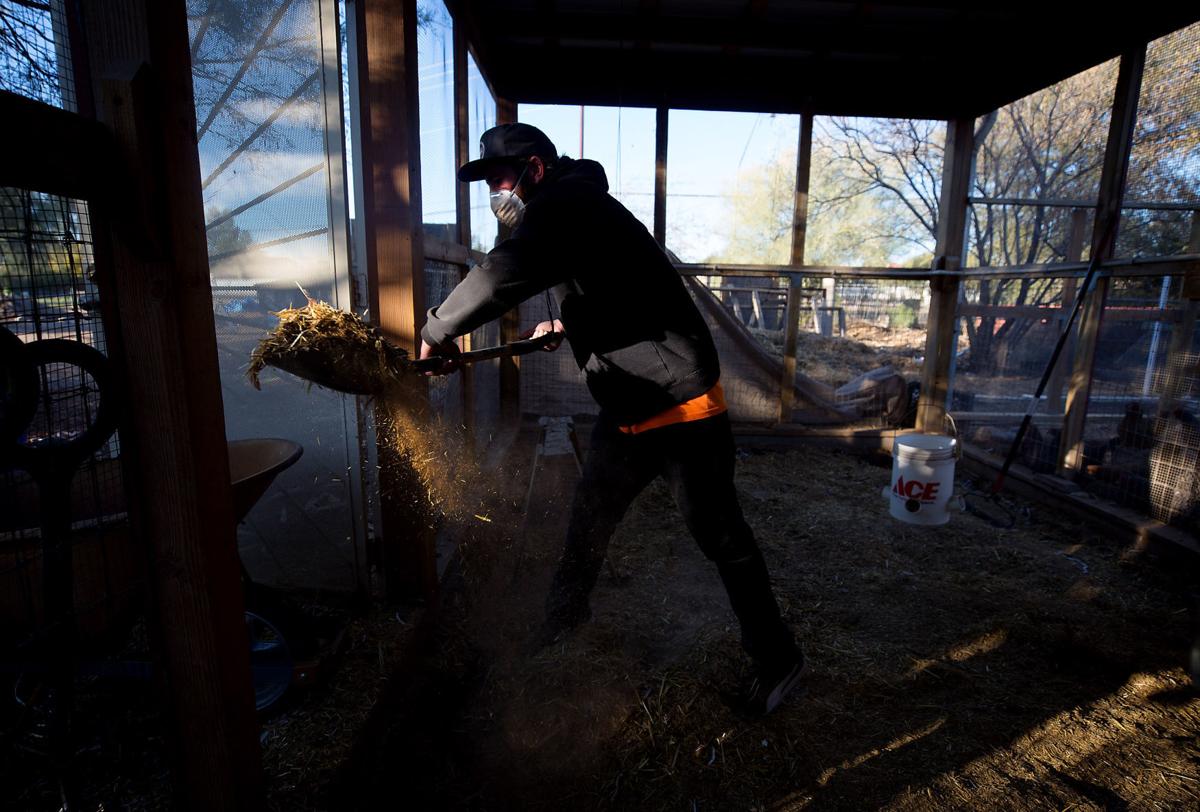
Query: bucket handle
<point x="953" y="432"/>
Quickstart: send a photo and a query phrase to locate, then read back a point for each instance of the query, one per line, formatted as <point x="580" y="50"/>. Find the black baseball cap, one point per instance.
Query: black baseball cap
<point x="505" y="144"/>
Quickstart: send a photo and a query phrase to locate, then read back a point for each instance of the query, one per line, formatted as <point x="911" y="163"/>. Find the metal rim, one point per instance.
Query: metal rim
<point x="19" y="378"/>
<point x="270" y="661"/>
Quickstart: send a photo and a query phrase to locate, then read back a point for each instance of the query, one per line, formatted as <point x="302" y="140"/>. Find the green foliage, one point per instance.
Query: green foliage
<point x="227" y="237"/>
<point x="40" y="248"/>
<point x="906" y="314"/>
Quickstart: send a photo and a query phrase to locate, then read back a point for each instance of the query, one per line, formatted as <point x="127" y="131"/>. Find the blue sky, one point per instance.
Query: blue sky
<point x="706" y="150"/>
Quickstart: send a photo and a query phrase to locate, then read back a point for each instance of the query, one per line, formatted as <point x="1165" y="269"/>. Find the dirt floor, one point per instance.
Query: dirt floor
<point x="962" y="667"/>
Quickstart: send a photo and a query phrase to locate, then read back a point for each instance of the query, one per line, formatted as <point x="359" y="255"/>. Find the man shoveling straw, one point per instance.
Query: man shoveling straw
<point x="649" y="362"/>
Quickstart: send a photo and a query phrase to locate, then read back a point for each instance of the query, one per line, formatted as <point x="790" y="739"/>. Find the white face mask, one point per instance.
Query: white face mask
<point x="508" y="207"/>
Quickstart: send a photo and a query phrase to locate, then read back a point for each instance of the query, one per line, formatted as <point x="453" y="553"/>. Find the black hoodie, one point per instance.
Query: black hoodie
<point x="632" y="326"/>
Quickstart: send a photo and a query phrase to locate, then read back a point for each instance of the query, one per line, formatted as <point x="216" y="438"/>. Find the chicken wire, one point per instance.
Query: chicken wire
<point x="1140" y="439"/>
<point x="751" y="355"/>
<point x="999" y="361"/>
<point x="48" y="290"/>
<point x="35" y="55"/>
<point x="1140" y="444"/>
<point x="445" y="391"/>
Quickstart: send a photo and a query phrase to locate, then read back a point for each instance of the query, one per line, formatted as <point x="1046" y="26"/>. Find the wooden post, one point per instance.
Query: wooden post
<point x="1058" y="377"/>
<point x="791" y="324"/>
<point x="941" y="340"/>
<point x="152" y="247"/>
<point x="462" y="206"/>
<point x="661" y="117"/>
<point x="1179" y="354"/>
<point x="1104" y="238"/>
<point x="390" y="160"/>
<point x="510" y="322"/>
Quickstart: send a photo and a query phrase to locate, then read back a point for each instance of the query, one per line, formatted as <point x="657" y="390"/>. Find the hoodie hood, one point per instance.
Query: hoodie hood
<point x="583" y="170"/>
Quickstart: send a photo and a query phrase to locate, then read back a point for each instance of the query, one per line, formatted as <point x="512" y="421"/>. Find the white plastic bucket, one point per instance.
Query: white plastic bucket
<point x="922" y="478"/>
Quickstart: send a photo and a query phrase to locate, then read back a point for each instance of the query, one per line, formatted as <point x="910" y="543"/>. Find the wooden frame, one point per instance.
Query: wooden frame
<point x="395" y="258"/>
<point x="942" y="337"/>
<point x="1058" y="376"/>
<point x="174" y="433"/>
<point x="662" y="118"/>
<point x="1108" y="213"/>
<point x="791" y="328"/>
<point x="62" y="153"/>
<point x="462" y="207"/>
<point x="1179" y="265"/>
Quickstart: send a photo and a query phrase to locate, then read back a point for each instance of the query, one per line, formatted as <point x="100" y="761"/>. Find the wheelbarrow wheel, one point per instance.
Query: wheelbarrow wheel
<point x="271" y="662"/>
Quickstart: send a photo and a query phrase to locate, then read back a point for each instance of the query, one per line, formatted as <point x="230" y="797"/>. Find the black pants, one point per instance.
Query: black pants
<point x="696" y="459"/>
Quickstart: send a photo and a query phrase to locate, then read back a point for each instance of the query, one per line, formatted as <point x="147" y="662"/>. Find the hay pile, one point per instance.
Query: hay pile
<point x="425" y="456"/>
<point x="961" y="667"/>
<point x="836" y="360"/>
<point x="331" y="348"/>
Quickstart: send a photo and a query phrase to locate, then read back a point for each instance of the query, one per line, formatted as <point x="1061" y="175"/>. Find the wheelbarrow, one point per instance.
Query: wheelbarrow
<point x="53" y="461"/>
<point x="253" y="466"/>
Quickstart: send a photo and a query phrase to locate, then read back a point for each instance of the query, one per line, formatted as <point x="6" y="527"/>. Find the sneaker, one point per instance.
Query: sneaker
<point x="769" y="687"/>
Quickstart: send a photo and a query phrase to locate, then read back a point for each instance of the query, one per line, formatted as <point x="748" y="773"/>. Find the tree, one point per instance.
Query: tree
<point x="32" y="53"/>
<point x="851" y="222"/>
<point x="876" y="186"/>
<point x="41" y="248"/>
<point x="879" y="180"/>
<point x="226" y="237"/>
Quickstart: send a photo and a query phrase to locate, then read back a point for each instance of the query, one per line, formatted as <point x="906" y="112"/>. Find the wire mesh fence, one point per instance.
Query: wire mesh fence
<point x="48" y="291"/>
<point x="445" y="391"/>
<point x="1142" y="410"/>
<point x="1138" y="438"/>
<point x="854" y="359"/>
<point x="35" y="54"/>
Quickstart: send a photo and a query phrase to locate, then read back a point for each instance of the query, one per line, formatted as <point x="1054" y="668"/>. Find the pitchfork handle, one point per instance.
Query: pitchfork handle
<point x="523" y="347"/>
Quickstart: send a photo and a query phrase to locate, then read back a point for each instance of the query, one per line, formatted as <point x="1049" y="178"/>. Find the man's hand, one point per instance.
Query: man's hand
<point x="448" y="350"/>
<point x="555" y="326"/>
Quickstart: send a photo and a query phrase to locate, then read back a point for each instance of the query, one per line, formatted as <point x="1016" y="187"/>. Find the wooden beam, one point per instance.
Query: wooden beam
<point x="462" y="134"/>
<point x="462" y="207"/>
<point x="661" y="118"/>
<point x="173" y="434"/>
<point x="1112" y="520"/>
<point x="1058" y="376"/>
<point x="800" y="202"/>
<point x="1041" y="313"/>
<point x="1067" y="203"/>
<point x="791" y="326"/>
<point x="391" y="172"/>
<point x="510" y="322"/>
<point x="61" y="153"/>
<point x="464" y="16"/>
<point x="1104" y="238"/>
<point x="941" y="340"/>
<point x="1179" y="265"/>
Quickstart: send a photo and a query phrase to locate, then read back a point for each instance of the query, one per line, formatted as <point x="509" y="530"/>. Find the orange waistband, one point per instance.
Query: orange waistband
<point x="710" y="404"/>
